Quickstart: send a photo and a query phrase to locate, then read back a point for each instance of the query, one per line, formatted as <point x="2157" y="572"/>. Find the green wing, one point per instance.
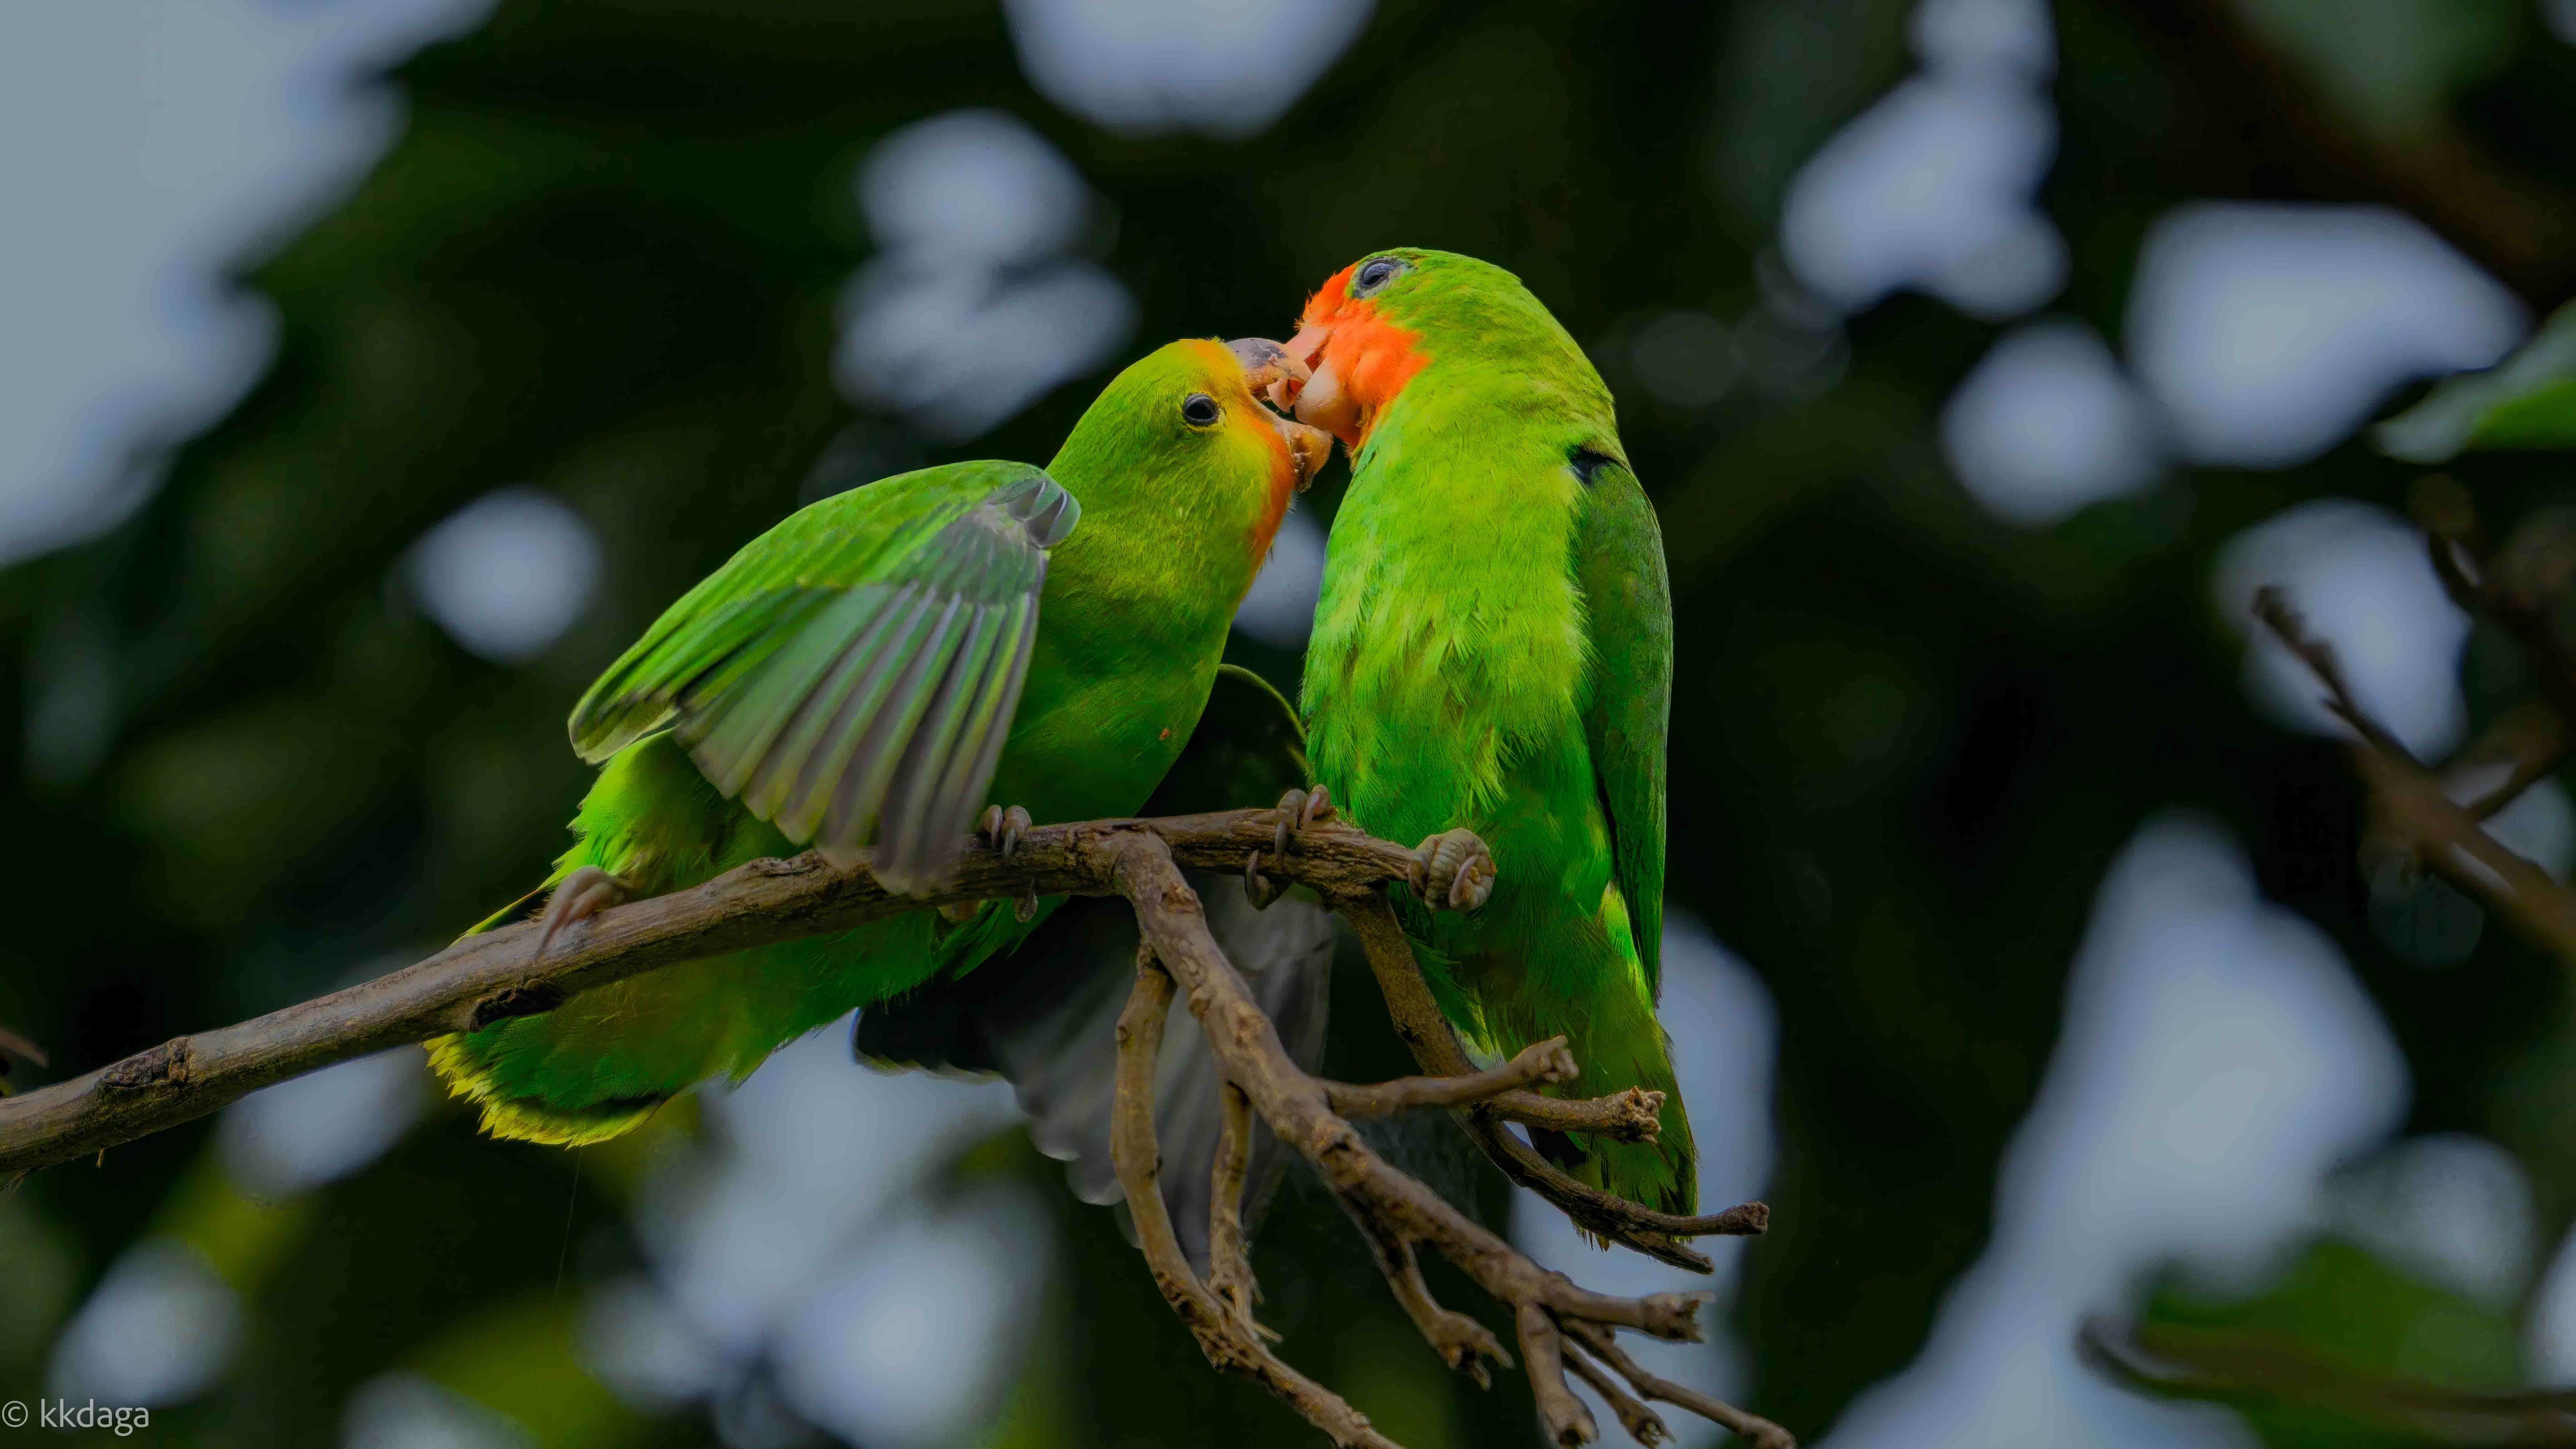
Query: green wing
<point x="851" y="674"/>
<point x="1619" y="562"/>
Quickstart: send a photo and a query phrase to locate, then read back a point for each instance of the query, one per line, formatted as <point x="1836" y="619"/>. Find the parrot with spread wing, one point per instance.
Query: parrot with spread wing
<point x="1493" y="650"/>
<point x="871" y="674"/>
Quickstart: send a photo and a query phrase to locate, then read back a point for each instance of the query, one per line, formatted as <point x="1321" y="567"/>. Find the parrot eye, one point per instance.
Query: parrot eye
<point x="1198" y="410"/>
<point x="1375" y="274"/>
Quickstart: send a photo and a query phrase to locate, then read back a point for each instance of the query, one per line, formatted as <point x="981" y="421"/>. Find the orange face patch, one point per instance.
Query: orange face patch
<point x="1372" y="357"/>
<point x="1248" y="428"/>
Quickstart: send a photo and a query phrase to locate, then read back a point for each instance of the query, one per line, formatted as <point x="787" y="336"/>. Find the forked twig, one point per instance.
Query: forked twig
<point x="1422" y="1028"/>
<point x="1396" y="1213"/>
<point x="2409" y="808"/>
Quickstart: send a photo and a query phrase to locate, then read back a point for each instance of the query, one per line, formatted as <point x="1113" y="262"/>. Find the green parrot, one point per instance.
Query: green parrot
<point x="871" y="672"/>
<point x="1493" y="649"/>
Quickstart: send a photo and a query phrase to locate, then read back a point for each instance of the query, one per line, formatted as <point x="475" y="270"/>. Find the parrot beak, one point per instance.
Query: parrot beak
<point x="1309" y="449"/>
<point x="1304" y="350"/>
<point x="1267" y="366"/>
<point x="1319" y="398"/>
<point x="1275" y="373"/>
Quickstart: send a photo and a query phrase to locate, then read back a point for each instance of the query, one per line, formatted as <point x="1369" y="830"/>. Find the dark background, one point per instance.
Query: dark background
<point x="604" y="260"/>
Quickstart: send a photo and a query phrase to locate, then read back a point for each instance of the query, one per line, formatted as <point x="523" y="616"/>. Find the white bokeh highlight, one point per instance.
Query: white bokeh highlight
<point x="2448" y="1209"/>
<point x="407" y="1411"/>
<point x="800" y="1238"/>
<point x="2217" y="1060"/>
<point x="908" y="1342"/>
<point x="2360" y="577"/>
<point x="160" y="1328"/>
<point x="1280" y="608"/>
<point x="975" y="303"/>
<point x="1932" y="188"/>
<point x="2047" y="423"/>
<point x="2270" y="332"/>
<point x="1725" y="1035"/>
<point x="315" y="1129"/>
<point x="187" y="137"/>
<point x="507" y="574"/>
<point x="1226" y="68"/>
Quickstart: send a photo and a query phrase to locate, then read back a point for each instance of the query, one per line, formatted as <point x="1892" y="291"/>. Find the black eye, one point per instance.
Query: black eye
<point x="1376" y="273"/>
<point x="1199" y="409"/>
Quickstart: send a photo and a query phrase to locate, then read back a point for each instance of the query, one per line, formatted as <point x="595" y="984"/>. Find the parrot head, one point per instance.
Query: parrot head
<point x="1189" y="415"/>
<point x="1377" y="323"/>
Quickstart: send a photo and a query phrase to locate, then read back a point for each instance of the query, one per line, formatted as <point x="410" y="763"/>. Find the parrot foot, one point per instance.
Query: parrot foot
<point x="578" y="897"/>
<point x="1003" y="830"/>
<point x="1453" y="871"/>
<point x="1297" y="810"/>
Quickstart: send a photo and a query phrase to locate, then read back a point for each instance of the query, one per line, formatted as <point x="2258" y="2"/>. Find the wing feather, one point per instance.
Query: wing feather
<point x="851" y="674"/>
<point x="1627" y="595"/>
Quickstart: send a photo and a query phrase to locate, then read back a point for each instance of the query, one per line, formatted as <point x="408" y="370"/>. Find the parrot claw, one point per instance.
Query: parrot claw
<point x="1003" y="829"/>
<point x="578" y="897"/>
<point x="1299" y="809"/>
<point x="1258" y="888"/>
<point x="1453" y="871"/>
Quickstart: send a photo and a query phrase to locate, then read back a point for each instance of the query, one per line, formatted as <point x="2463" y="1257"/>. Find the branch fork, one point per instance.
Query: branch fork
<point x="1560" y="1328"/>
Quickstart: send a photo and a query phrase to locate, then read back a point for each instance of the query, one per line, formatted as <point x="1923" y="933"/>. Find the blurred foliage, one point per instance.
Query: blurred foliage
<point x="2527" y="402"/>
<point x="603" y="260"/>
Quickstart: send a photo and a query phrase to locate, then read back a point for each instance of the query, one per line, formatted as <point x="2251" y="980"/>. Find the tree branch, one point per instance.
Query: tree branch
<point x="494" y="975"/>
<point x="1395" y="1212"/>
<point x="2409" y="809"/>
<point x="1419" y="1024"/>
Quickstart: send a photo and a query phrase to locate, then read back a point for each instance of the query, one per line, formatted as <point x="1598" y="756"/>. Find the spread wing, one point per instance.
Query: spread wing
<point x="1046" y="1015"/>
<point x="1619" y="563"/>
<point x="851" y="674"/>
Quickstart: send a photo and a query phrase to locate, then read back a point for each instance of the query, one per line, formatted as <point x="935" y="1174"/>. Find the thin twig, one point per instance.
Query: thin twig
<point x="2172" y="1366"/>
<point x="1643" y="1424"/>
<point x="1753" y="1429"/>
<point x="1229" y="1343"/>
<point x="1422" y="1028"/>
<point x="1229" y="1246"/>
<point x="2408" y="804"/>
<point x="1633" y="1115"/>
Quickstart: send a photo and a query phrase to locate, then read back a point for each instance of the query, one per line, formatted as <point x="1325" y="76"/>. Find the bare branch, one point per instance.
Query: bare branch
<point x="1228" y="1342"/>
<point x="1643" y="1424"/>
<point x="1753" y="1429"/>
<point x="1419" y="1024"/>
<point x="1395" y="1212"/>
<point x="1229" y="1246"/>
<point x="2408" y="805"/>
<point x="488" y="977"/>
<point x="1630" y="1116"/>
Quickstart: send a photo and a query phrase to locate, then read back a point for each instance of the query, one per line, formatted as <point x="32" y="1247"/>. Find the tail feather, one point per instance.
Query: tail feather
<point x="599" y="1064"/>
<point x="1046" y="1019"/>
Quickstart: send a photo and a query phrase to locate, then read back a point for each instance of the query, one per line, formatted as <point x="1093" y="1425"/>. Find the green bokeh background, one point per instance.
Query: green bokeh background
<point x="603" y="260"/>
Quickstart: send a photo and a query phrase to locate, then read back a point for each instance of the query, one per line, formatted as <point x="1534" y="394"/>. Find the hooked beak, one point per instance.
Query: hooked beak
<point x="1275" y="372"/>
<point x="1318" y="396"/>
<point x="1266" y="365"/>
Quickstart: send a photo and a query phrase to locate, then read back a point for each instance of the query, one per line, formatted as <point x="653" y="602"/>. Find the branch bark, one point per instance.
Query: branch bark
<point x="495" y="975"/>
<point x="488" y="977"/>
<point x="1395" y="1212"/>
<point x="1424" y="1031"/>
<point x="2409" y="809"/>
